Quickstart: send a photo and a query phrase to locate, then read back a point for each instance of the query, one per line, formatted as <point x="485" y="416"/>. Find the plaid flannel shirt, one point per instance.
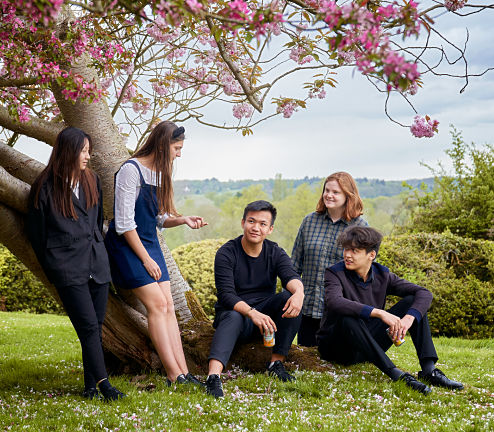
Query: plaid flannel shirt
<point x="314" y="250"/>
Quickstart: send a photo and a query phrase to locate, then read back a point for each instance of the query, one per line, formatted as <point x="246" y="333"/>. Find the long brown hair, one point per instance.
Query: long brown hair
<point x="158" y="145"/>
<point x="64" y="171"/>
<point x="353" y="206"/>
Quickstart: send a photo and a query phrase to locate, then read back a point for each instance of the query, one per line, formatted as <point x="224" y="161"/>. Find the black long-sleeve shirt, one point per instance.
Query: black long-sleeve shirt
<point x="346" y="294"/>
<point x="239" y="276"/>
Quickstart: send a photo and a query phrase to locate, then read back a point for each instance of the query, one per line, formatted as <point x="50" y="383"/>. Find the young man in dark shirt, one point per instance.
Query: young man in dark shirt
<point x="245" y="270"/>
<point x="355" y="326"/>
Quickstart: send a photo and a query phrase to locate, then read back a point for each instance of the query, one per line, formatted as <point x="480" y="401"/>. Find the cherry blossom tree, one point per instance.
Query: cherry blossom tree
<point x="115" y="68"/>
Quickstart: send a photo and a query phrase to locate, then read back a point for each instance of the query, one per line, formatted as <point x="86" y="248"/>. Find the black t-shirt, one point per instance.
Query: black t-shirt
<point x="239" y="276"/>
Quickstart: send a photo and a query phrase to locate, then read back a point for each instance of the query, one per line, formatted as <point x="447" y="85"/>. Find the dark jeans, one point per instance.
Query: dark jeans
<point x="355" y="340"/>
<point x="232" y="327"/>
<point x="307" y="332"/>
<point x="86" y="306"/>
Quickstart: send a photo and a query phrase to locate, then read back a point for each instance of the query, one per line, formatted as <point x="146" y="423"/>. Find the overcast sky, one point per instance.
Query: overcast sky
<point x="348" y="131"/>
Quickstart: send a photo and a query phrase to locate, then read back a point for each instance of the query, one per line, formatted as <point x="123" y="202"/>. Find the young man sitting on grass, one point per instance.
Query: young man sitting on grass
<point x="355" y="326"/>
<point x="245" y="271"/>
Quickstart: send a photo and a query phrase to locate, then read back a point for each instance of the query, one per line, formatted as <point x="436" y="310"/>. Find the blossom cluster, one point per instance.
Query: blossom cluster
<point x="287" y="108"/>
<point x="359" y="36"/>
<point x="242" y="110"/>
<point x="453" y="5"/>
<point x="33" y="52"/>
<point x="424" y="127"/>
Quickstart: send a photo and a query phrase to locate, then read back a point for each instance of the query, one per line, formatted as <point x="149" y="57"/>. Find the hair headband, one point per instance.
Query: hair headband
<point x="177" y="132"/>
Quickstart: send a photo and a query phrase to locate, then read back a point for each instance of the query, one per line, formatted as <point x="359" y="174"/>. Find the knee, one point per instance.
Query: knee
<point x="408" y="300"/>
<point x="349" y="323"/>
<point x="233" y="318"/>
<point x="87" y="330"/>
<point x="159" y="306"/>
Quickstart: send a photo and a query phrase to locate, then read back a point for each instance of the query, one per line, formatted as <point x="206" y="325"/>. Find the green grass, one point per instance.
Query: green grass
<point x="41" y="379"/>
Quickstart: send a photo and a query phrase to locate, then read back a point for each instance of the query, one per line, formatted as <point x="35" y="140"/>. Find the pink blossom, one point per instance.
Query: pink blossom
<point x="242" y="110"/>
<point x="424" y="127"/>
<point x="453" y="5"/>
<point x="194" y="5"/>
<point x="287" y="108"/>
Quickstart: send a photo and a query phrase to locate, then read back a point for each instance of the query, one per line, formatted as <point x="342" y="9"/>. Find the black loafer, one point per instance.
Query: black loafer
<point x="191" y="379"/>
<point x="181" y="379"/>
<point x="91" y="393"/>
<point x="438" y="379"/>
<point x="411" y="382"/>
<point x="214" y="386"/>
<point x="112" y="394"/>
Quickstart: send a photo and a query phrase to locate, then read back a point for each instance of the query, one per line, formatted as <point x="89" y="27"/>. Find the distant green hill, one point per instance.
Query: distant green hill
<point x="368" y="188"/>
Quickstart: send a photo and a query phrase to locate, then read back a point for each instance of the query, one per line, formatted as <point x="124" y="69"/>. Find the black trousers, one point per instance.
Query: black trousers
<point x="232" y="327"/>
<point x="355" y="340"/>
<point x="86" y="306"/>
<point x="307" y="332"/>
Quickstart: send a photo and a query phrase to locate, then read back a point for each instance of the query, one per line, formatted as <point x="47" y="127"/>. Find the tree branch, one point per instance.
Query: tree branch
<point x="249" y="93"/>
<point x="18" y="82"/>
<point x="19" y="165"/>
<point x="36" y="128"/>
<point x="13" y="192"/>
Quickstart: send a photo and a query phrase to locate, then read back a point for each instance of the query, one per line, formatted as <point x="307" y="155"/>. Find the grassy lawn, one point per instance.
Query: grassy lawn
<point x="41" y="379"/>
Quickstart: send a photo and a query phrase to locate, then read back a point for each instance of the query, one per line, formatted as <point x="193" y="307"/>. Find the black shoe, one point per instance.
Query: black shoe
<point x="111" y="394"/>
<point x="181" y="379"/>
<point x="91" y="393"/>
<point x="411" y="382"/>
<point x="191" y="379"/>
<point x="278" y="370"/>
<point x="214" y="386"/>
<point x="437" y="378"/>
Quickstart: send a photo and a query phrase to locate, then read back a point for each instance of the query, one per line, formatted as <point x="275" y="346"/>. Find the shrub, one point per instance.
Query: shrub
<point x="459" y="273"/>
<point x="20" y="290"/>
<point x="196" y="263"/>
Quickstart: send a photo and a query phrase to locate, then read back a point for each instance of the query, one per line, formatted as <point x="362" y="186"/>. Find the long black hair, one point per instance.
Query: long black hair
<point x="64" y="171"/>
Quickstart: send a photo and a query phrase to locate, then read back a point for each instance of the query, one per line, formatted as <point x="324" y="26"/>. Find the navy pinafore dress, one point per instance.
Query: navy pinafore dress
<point x="127" y="269"/>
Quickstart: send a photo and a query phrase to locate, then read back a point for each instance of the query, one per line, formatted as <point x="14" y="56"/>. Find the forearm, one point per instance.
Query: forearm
<point x="242" y="308"/>
<point x="173" y="221"/>
<point x="136" y="245"/>
<point x="296" y="287"/>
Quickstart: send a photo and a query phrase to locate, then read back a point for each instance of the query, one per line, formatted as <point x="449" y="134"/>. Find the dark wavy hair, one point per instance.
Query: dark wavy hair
<point x="358" y="237"/>
<point x="63" y="171"/>
<point x="353" y="206"/>
<point x="158" y="145"/>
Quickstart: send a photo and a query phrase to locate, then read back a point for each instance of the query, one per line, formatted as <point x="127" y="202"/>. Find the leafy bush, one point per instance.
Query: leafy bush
<point x="462" y="203"/>
<point x="20" y="290"/>
<point x="196" y="263"/>
<point x="458" y="271"/>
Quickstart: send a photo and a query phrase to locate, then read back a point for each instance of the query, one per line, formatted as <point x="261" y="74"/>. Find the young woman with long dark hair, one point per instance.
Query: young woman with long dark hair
<point x="143" y="202"/>
<point x="65" y="229"/>
<point x="316" y="246"/>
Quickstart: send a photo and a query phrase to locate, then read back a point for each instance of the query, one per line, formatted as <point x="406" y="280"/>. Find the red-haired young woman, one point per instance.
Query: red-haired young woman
<point x="316" y="247"/>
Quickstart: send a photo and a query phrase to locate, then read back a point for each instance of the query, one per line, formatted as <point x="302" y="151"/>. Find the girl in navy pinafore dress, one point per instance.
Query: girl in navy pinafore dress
<point x="143" y="202"/>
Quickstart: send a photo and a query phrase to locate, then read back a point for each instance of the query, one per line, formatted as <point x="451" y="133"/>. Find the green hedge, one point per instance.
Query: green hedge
<point x="458" y="271"/>
<point x="196" y="263"/>
<point x="20" y="290"/>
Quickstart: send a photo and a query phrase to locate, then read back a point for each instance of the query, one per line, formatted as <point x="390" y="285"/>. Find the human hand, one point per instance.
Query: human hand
<point x="293" y="306"/>
<point x="195" y="222"/>
<point x="152" y="268"/>
<point x="262" y="321"/>
<point x="406" y="323"/>
<point x="394" y="323"/>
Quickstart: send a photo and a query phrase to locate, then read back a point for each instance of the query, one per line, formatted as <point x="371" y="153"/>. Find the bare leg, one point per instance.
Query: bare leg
<point x="173" y="330"/>
<point x="215" y="367"/>
<point x="159" y="324"/>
